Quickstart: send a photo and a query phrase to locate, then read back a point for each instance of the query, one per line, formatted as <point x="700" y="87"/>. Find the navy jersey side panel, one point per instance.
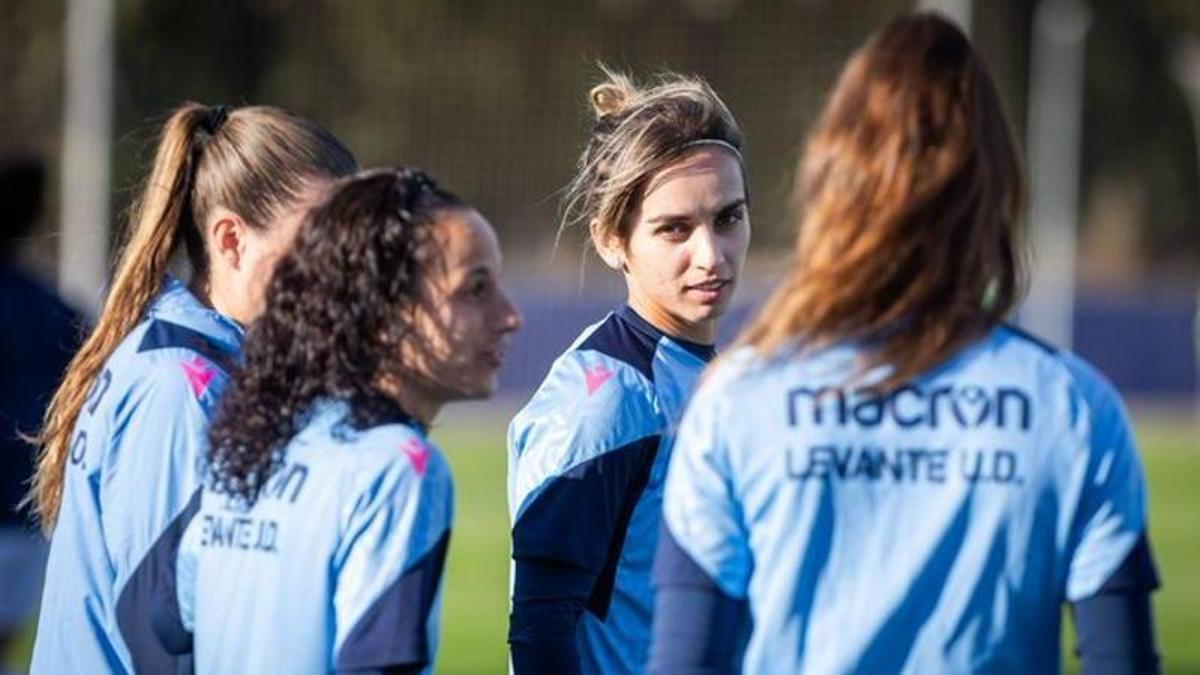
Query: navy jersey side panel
<point x="394" y="631"/>
<point x="581" y="517"/>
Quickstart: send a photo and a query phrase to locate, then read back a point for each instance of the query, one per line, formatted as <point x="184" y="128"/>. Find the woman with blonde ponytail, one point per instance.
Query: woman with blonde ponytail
<point x="117" y="476"/>
<point x="884" y="476"/>
<point x="662" y="190"/>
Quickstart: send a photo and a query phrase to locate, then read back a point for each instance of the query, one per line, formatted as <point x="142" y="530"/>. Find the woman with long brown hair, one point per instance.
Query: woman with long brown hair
<point x="884" y="476"/>
<point x="122" y="435"/>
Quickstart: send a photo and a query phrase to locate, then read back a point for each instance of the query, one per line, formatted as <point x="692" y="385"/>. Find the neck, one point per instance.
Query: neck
<point x="414" y="399"/>
<point x="702" y="332"/>
<point x="213" y="296"/>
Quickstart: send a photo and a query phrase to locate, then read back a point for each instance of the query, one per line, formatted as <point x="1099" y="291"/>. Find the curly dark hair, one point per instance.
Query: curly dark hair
<point x="333" y="320"/>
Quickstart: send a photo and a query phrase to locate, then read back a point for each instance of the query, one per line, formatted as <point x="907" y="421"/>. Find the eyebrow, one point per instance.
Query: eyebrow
<point x="667" y="217"/>
<point x="478" y="271"/>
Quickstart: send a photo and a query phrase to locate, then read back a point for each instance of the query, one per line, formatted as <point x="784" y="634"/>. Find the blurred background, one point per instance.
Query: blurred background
<point x="490" y="97"/>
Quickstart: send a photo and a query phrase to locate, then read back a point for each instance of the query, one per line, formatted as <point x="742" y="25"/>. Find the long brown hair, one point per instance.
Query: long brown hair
<point x="911" y="191"/>
<point x="254" y="161"/>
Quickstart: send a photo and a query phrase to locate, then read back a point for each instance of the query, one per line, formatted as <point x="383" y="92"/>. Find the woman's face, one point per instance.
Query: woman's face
<point x="464" y="320"/>
<point x="687" y="241"/>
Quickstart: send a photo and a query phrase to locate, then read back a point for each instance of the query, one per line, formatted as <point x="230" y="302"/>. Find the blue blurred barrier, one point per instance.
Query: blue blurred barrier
<point x="1143" y="341"/>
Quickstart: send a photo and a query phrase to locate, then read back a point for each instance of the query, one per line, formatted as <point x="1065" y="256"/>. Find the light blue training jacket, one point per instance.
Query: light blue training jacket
<point x="938" y="528"/>
<point x="336" y="567"/>
<point x="131" y="472"/>
<point x="587" y="460"/>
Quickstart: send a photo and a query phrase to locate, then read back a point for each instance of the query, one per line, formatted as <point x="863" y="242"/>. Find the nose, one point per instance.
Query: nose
<point x="510" y="316"/>
<point x="706" y="248"/>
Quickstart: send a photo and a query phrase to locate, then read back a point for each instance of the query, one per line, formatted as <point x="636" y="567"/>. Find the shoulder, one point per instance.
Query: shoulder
<point x="158" y="340"/>
<point x="590" y="400"/>
<point x="593" y="402"/>
<point x="174" y="379"/>
<point x="160" y="358"/>
<point x="1091" y="398"/>
<point x="386" y="460"/>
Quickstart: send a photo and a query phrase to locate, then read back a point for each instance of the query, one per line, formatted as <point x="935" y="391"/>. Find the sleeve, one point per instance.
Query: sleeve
<point x="149" y="495"/>
<point x="580" y="452"/>
<point x="601" y="492"/>
<point x="698" y="629"/>
<point x="1115" y="627"/>
<point x="388" y="568"/>
<point x="151" y="468"/>
<point x="1110" y="516"/>
<point x="562" y="569"/>
<point x="548" y="601"/>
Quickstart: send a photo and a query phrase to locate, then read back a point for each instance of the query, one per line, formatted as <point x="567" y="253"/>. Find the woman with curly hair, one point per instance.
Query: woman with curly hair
<point x="885" y="477"/>
<point x="319" y="542"/>
<point x="124" y="430"/>
<point x="662" y="188"/>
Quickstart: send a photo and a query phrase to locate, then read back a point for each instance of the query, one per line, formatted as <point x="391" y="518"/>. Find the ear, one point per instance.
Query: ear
<point x="607" y="246"/>
<point x="227" y="236"/>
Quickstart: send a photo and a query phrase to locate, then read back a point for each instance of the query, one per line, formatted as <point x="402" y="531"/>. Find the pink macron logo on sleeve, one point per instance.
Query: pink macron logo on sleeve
<point x="199" y="374"/>
<point x="417" y="453"/>
<point x="596" y="376"/>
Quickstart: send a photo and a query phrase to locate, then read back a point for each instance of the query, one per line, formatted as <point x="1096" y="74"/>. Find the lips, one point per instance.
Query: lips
<point x="710" y="285"/>
<point x="495" y="356"/>
<point x="709" y="291"/>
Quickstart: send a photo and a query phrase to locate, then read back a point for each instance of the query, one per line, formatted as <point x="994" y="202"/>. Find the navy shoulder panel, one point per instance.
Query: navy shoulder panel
<point x="1031" y="338"/>
<point x="148" y="607"/>
<point x="394" y="631"/>
<point x="165" y="335"/>
<point x="602" y="491"/>
<point x="625" y="340"/>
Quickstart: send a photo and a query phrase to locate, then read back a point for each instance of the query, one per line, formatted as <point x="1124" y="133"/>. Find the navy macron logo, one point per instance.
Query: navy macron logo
<point x="964" y="406"/>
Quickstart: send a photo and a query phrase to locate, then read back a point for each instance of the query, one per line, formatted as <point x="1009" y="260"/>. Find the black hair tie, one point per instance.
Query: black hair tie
<point x="413" y="184"/>
<point x="214" y="118"/>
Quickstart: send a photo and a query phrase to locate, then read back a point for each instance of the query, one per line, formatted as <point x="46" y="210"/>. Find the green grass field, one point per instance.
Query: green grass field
<point x="476" y="606"/>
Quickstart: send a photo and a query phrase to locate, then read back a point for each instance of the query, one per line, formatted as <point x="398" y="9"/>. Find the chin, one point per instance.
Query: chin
<point x="709" y="312"/>
<point x="482" y="388"/>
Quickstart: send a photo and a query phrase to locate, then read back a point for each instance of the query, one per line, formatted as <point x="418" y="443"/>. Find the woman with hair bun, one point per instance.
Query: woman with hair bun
<point x="884" y="476"/>
<point x="121" y="436"/>
<point x="322" y="532"/>
<point x="662" y="189"/>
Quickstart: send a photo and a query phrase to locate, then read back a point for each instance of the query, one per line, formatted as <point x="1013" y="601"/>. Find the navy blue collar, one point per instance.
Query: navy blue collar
<point x="627" y="314"/>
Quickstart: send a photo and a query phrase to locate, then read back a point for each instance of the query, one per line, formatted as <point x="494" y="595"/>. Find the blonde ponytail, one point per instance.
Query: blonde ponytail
<point x="140" y="270"/>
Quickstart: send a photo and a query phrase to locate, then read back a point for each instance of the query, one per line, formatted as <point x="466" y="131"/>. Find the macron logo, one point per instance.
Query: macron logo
<point x="418" y="454"/>
<point x="596" y="376"/>
<point x="199" y="374"/>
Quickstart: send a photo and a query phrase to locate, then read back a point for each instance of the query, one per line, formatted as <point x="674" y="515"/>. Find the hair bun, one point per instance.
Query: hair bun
<point x="612" y="97"/>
